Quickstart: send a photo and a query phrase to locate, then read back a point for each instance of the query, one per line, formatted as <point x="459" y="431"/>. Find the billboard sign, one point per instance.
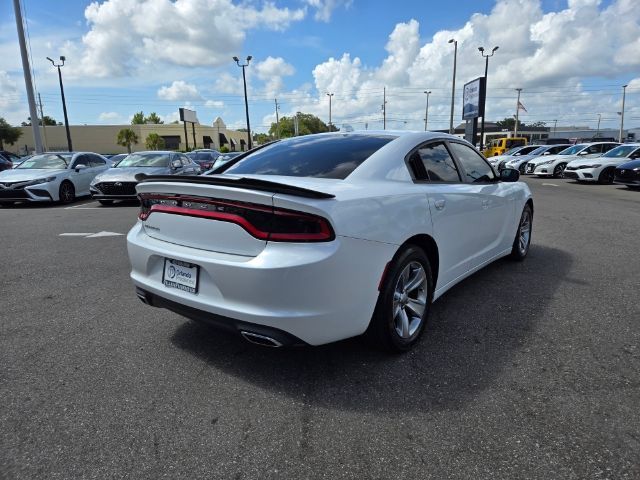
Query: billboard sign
<point x="187" y="115"/>
<point x="473" y="99"/>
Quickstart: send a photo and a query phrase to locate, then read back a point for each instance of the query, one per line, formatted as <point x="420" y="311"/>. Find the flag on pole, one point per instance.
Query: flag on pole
<point x="521" y="107"/>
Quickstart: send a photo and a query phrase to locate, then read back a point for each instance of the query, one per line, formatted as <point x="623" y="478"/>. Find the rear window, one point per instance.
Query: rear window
<point x="319" y="156"/>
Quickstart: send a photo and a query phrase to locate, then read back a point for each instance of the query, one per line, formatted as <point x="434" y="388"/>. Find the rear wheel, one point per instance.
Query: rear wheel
<point x="105" y="202"/>
<point x="606" y="176"/>
<point x="521" y="243"/>
<point x="521" y="168"/>
<point x="403" y="303"/>
<point x="559" y="170"/>
<point x="67" y="192"/>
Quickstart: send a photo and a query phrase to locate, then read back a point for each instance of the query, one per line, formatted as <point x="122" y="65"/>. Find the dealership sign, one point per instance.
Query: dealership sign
<point x="473" y="99"/>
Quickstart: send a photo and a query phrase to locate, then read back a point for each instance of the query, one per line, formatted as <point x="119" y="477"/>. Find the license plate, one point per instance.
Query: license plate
<point x="180" y="275"/>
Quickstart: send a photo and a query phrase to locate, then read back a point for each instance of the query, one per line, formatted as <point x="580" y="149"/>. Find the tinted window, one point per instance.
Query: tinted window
<point x="608" y="146"/>
<point x="145" y="160"/>
<point x="96" y="161"/>
<point x="82" y="160"/>
<point x="438" y="164"/>
<point x="556" y="149"/>
<point x="321" y="156"/>
<point x="476" y="168"/>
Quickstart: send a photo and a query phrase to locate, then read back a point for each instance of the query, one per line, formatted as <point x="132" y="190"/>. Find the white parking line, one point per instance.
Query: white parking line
<point x="550" y="184"/>
<point x="92" y="235"/>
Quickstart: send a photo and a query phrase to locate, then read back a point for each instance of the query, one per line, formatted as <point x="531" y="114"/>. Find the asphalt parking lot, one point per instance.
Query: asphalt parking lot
<point x="527" y="370"/>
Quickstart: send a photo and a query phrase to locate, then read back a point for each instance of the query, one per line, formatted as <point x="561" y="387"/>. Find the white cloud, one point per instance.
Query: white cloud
<point x="12" y="104"/>
<point x="123" y="34"/>
<point x="546" y="54"/>
<point x="110" y="117"/>
<point x="324" y="8"/>
<point x="179" y="91"/>
<point x="271" y="72"/>
<point x="214" y="104"/>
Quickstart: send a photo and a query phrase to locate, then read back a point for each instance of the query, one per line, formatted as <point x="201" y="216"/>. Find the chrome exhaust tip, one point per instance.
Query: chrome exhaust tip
<point x="261" y="340"/>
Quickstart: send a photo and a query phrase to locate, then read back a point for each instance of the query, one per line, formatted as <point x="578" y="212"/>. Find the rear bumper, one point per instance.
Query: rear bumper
<point x="316" y="292"/>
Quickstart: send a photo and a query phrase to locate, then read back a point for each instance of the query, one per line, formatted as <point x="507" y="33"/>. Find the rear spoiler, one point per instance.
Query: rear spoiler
<point x="248" y="183"/>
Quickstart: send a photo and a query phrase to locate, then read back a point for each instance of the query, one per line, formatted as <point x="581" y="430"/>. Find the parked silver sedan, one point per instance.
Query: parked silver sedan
<point x="119" y="182"/>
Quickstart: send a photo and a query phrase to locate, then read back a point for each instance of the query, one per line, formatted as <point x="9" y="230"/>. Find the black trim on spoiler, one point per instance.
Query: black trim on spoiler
<point x="249" y="183"/>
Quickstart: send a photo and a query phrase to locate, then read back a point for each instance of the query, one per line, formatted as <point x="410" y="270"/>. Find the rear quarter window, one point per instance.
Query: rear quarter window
<point x="319" y="156"/>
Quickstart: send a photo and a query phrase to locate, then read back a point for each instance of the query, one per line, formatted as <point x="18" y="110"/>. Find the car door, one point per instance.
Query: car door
<point x="82" y="177"/>
<point x="493" y="227"/>
<point x="454" y="211"/>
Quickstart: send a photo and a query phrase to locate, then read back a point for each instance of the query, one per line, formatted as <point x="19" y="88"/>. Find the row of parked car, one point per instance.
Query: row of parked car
<point x="63" y="176"/>
<point x="602" y="162"/>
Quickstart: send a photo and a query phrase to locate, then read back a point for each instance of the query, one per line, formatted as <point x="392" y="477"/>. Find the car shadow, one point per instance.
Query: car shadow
<point x="473" y="333"/>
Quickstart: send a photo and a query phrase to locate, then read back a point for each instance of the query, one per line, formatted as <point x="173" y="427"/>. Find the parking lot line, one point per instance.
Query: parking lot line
<point x="550" y="184"/>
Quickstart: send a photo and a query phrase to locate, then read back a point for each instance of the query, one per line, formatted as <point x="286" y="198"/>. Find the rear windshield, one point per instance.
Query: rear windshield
<point x="319" y="156"/>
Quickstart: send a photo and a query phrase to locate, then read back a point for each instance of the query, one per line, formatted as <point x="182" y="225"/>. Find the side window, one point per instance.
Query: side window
<point x="437" y="163"/>
<point x="608" y="146"/>
<point x="185" y="161"/>
<point x="594" y="149"/>
<point x="82" y="160"/>
<point x="96" y="161"/>
<point x="555" y="150"/>
<point x="476" y="168"/>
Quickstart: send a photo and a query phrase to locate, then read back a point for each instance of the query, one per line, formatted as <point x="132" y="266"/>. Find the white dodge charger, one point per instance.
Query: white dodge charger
<point x="318" y="238"/>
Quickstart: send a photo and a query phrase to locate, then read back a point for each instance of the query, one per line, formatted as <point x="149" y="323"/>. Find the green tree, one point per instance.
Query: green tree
<point x="307" y="124"/>
<point x="154" y="141"/>
<point x="126" y="138"/>
<point x="262" y="138"/>
<point x="138" y="118"/>
<point x="48" y="121"/>
<point x="8" y="133"/>
<point x="153" y="118"/>
<point x="224" y="149"/>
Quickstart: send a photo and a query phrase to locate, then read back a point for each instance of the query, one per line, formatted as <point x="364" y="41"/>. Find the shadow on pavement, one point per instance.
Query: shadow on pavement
<point x="473" y="333"/>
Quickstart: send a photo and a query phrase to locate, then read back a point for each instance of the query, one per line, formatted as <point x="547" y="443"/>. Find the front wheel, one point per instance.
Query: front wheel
<point x="521" y="243"/>
<point x="606" y="176"/>
<point x="403" y="303"/>
<point x="559" y="170"/>
<point x="67" y="192"/>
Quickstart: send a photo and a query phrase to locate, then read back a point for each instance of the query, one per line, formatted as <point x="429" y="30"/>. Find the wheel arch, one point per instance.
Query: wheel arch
<point x="430" y="247"/>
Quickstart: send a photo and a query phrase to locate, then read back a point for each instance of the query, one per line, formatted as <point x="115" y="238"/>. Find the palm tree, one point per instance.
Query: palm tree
<point x="127" y="137"/>
<point x="154" y="141"/>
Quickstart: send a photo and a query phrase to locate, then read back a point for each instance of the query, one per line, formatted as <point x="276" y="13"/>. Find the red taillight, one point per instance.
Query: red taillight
<point x="260" y="221"/>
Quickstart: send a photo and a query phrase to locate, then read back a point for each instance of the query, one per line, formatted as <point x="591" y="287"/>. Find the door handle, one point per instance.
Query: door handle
<point x="439" y="204"/>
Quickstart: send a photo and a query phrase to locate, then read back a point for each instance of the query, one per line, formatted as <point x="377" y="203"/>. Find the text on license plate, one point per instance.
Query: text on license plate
<point x="180" y="275"/>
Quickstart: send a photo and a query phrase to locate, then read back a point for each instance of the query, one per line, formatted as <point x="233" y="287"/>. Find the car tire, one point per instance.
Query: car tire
<point x="401" y="313"/>
<point x="558" y="171"/>
<point x="606" y="176"/>
<point x="521" y="168"/>
<point x="522" y="242"/>
<point x="105" y="202"/>
<point x="67" y="192"/>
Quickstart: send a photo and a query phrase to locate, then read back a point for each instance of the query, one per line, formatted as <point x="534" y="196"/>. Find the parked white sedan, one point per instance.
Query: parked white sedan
<point x="554" y="165"/>
<point x="602" y="169"/>
<point x="51" y="177"/>
<point x="323" y="237"/>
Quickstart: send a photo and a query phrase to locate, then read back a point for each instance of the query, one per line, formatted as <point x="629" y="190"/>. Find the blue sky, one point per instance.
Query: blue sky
<point x="570" y="58"/>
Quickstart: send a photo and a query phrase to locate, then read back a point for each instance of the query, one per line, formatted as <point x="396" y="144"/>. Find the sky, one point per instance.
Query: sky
<point x="571" y="60"/>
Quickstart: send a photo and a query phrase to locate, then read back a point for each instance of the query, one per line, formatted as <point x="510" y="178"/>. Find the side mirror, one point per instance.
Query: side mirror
<point x="509" y="175"/>
<point x="546" y="153"/>
<point x="176" y="164"/>
<point x="80" y="167"/>
<point x="584" y="152"/>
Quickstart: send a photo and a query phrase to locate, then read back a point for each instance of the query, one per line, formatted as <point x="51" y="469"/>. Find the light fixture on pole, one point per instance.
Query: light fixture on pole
<point x="486" y="71"/>
<point x="330" y="95"/>
<point x="64" y="103"/>
<point x="246" y="102"/>
<point x="453" y="84"/>
<point x="426" y="111"/>
<point x="624" y="92"/>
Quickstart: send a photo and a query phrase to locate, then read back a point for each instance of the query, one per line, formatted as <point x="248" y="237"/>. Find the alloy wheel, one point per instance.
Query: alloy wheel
<point x="66" y="193"/>
<point x="524" y="232"/>
<point x="410" y="300"/>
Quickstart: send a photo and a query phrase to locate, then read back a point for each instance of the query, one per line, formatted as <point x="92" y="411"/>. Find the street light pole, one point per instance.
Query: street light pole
<point x="64" y="103"/>
<point x="26" y="68"/>
<point x="453" y="85"/>
<point x="330" y="95"/>
<point x="598" y="129"/>
<point x="624" y="92"/>
<point x="246" y="102"/>
<point x="484" y="107"/>
<point x="426" y="111"/>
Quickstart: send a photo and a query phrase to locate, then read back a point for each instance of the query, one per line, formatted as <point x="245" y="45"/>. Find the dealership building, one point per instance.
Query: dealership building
<point x="102" y="138"/>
